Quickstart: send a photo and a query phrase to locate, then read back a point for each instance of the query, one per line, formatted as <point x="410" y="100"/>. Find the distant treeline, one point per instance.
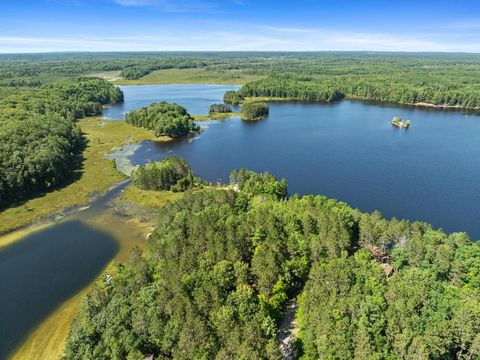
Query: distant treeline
<point x="38" y="136"/>
<point x="164" y="118"/>
<point x="223" y="264"/>
<point x="388" y="89"/>
<point x="439" y="79"/>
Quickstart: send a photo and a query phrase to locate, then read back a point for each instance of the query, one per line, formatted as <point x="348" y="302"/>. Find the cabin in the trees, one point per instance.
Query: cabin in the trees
<point x="381" y="257"/>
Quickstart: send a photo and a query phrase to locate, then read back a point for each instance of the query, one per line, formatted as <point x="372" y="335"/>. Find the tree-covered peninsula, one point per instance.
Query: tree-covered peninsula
<point x="222" y="265"/>
<point x="173" y="174"/>
<point x="39" y="140"/>
<point x="164" y="119"/>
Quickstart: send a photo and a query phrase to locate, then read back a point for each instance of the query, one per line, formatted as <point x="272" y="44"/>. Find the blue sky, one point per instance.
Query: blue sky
<point x="229" y="25"/>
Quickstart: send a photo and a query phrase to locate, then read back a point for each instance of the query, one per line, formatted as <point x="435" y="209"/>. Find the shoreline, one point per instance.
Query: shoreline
<point x="29" y="208"/>
<point x="365" y="101"/>
<point x="103" y="137"/>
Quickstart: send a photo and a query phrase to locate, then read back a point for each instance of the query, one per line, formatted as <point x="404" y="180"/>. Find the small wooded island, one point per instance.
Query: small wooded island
<point x="219" y="109"/>
<point x="165" y="119"/>
<point x="254" y="110"/>
<point x="398" y="122"/>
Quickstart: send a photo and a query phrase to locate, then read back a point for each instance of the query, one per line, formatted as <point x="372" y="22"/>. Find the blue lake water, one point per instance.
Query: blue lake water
<point x="348" y="151"/>
<point x="197" y="98"/>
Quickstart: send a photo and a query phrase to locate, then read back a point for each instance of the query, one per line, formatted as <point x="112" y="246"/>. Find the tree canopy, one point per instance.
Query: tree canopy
<point x="164" y="118"/>
<point x="222" y="265"/>
<point x="172" y="173"/>
<point x="219" y="108"/>
<point x="39" y="140"/>
<point x="254" y="110"/>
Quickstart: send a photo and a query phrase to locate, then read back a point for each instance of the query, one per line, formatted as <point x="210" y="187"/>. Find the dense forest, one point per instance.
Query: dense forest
<point x="165" y="119"/>
<point x="370" y="89"/>
<point x="222" y="265"/>
<point x="38" y="137"/>
<point x="232" y="97"/>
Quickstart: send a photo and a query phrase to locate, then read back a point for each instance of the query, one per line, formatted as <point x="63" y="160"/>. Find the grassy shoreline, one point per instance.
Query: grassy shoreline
<point x="216" y="116"/>
<point x="96" y="176"/>
<point x="47" y="340"/>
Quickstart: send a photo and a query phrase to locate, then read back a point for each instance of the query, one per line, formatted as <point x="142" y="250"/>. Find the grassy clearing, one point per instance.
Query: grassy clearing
<point x="149" y="198"/>
<point x="107" y="75"/>
<point x="192" y="76"/>
<point x="96" y="176"/>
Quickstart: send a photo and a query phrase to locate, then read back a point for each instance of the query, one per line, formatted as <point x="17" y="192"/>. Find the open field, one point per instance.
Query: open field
<point x="97" y="173"/>
<point x="191" y="76"/>
<point x="107" y="75"/>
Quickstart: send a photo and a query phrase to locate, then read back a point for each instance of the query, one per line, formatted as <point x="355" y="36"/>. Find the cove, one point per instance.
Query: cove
<point x="44" y="271"/>
<point x="40" y="272"/>
<point x="348" y="151"/>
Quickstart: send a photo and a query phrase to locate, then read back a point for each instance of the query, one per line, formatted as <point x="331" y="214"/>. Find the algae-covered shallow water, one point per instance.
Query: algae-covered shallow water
<point x="43" y="272"/>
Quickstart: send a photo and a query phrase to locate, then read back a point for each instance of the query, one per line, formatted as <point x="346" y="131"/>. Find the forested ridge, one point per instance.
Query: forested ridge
<point x="222" y="264"/>
<point x="39" y="140"/>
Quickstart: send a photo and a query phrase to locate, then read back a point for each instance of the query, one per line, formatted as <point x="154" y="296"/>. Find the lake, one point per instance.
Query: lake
<point x="346" y="150"/>
<point x="196" y="97"/>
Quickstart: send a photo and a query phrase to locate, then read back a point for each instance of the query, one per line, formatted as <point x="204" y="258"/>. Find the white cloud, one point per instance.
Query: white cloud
<point x="255" y="38"/>
<point x="172" y="5"/>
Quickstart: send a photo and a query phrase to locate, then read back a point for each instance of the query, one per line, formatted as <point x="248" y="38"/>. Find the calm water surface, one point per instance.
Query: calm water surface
<point x="348" y="151"/>
<point x="50" y="265"/>
<point x="197" y="98"/>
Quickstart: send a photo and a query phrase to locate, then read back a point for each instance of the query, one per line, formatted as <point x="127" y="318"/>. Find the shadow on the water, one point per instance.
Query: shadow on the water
<point x="42" y="271"/>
